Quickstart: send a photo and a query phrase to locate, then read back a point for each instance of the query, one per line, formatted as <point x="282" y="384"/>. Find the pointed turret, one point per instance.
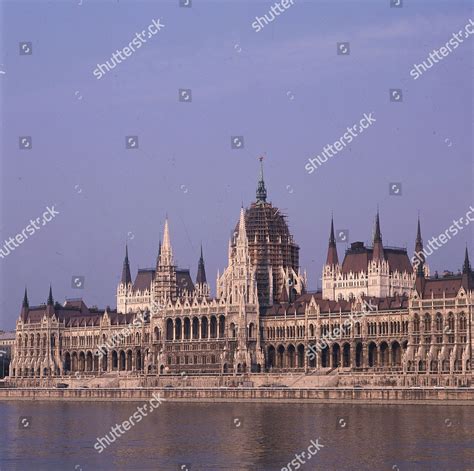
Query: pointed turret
<point x="50" y="297"/>
<point x="50" y="304"/>
<point x="126" y="276"/>
<point x="332" y="258"/>
<point x="467" y="278"/>
<point x="419" y="240"/>
<point x="261" y="190"/>
<point x="378" y="246"/>
<point x="242" y="235"/>
<point x="24" y="308"/>
<point x="202" y="288"/>
<point x="419" y="257"/>
<point x="166" y="252"/>
<point x="25" y="300"/>
<point x="201" y="273"/>
<point x="466" y="268"/>
<point x="419" y="261"/>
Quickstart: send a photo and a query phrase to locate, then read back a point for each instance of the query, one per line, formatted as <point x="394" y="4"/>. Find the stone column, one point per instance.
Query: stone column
<point x="365" y="355"/>
<point x="306" y="357"/>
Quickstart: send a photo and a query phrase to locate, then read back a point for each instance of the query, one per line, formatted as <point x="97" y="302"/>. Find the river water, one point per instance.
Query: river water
<point x="236" y="436"/>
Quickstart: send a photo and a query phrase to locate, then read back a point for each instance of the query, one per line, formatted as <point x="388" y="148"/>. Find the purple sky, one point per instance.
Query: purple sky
<point x="287" y="92"/>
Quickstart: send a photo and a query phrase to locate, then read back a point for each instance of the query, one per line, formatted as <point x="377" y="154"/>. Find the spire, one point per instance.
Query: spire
<point x="201" y="273"/>
<point x="378" y="246"/>
<point x="166" y="252"/>
<point x="332" y="258"/>
<point x="242" y="235"/>
<point x="419" y="240"/>
<point x="466" y="268"/>
<point x="25" y="307"/>
<point x="126" y="276"/>
<point x="377" y="233"/>
<point x="50" y="297"/>
<point x="419" y="257"/>
<point x="261" y="190"/>
<point x="25" y="300"/>
<point x="332" y="239"/>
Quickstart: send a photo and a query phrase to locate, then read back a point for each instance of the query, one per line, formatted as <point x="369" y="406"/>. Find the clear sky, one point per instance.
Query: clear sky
<point x="285" y="89"/>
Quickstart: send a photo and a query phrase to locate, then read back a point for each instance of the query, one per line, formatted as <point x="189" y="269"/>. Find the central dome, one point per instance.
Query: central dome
<point x="271" y="246"/>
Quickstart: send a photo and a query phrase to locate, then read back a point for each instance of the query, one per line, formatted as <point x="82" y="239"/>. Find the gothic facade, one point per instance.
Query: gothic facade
<point x="377" y="312"/>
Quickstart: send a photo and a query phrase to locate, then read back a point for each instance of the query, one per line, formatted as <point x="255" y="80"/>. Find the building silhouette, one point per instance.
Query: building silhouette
<point x="378" y="312"/>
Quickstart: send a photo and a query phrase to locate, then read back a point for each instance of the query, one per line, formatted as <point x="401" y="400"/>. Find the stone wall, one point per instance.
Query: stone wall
<point x="454" y="396"/>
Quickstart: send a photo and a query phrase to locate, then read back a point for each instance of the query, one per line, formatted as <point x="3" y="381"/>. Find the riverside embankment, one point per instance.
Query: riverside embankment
<point x="373" y="395"/>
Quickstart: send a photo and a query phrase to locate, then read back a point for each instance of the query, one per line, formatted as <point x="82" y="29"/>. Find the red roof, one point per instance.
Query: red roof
<point x="358" y="257"/>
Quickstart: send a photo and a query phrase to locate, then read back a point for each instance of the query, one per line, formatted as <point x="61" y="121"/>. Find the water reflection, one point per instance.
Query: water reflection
<point x="236" y="436"/>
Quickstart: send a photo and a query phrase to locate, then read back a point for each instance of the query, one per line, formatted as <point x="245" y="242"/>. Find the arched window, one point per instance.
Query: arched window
<point x="451" y="323"/>
<point x="213" y="327"/>
<point x="251" y="330"/>
<point x="357" y="329"/>
<point x="416" y="323"/>
<point x="169" y="329"/>
<point x="195" y="328"/>
<point x="439" y="322"/>
<point x="204" y="328"/>
<point x="221" y="326"/>
<point x="233" y="332"/>
<point x="427" y="323"/>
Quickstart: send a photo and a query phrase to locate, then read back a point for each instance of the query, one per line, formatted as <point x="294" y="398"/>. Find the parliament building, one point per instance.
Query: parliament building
<point x="377" y="312"/>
